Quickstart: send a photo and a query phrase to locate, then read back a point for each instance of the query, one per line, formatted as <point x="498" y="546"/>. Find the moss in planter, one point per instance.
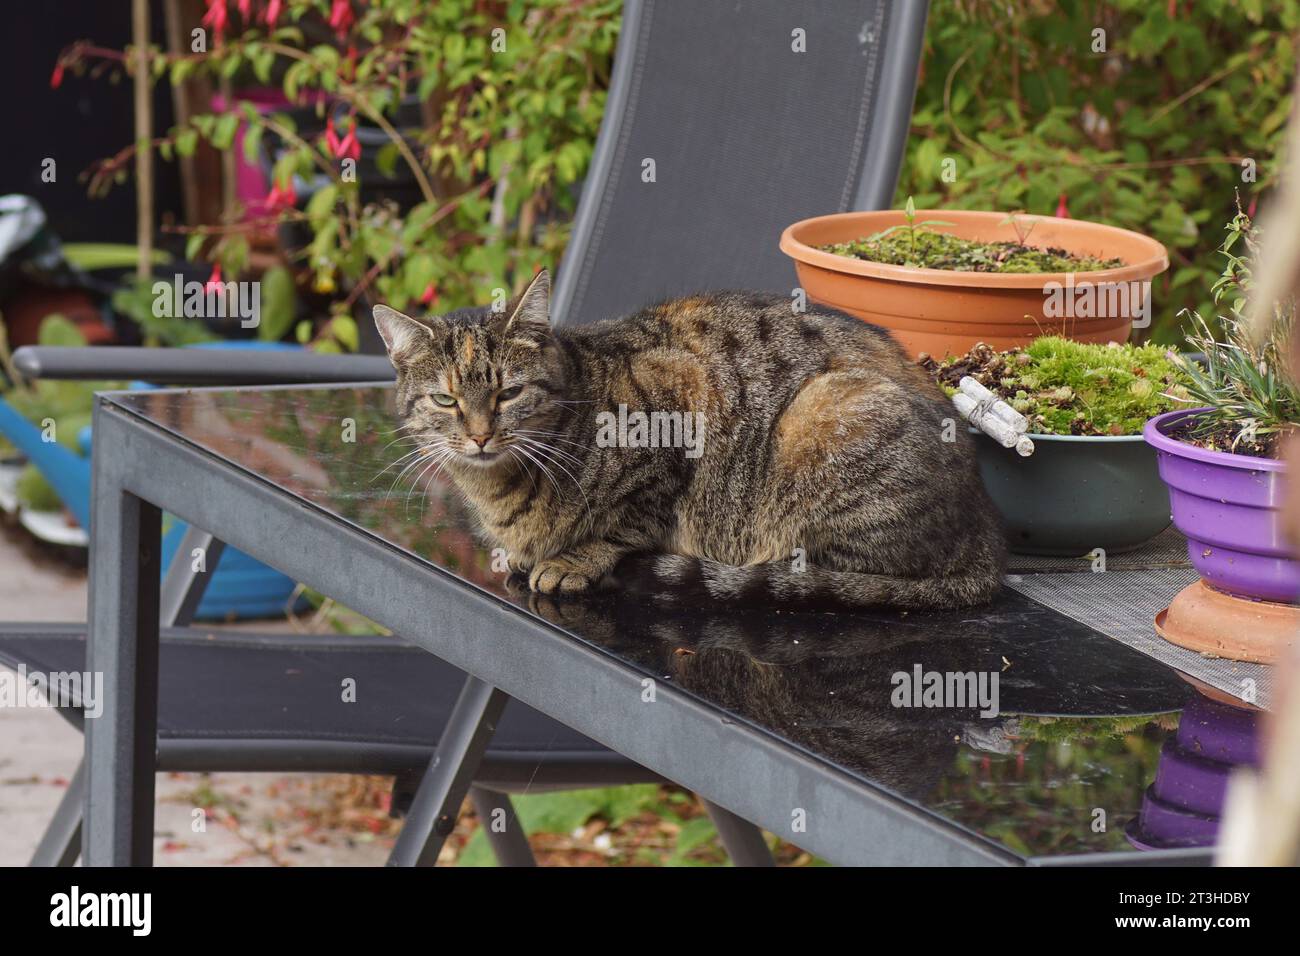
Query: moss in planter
<point x="1073" y="388"/>
<point x="926" y="248"/>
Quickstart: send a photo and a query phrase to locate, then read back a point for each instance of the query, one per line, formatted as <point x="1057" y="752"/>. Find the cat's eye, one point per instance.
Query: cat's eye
<point x="443" y="399"/>
<point x="508" y="393"/>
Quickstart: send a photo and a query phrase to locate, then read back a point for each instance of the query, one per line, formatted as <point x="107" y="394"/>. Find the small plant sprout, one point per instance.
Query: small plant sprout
<point x="1015" y="222"/>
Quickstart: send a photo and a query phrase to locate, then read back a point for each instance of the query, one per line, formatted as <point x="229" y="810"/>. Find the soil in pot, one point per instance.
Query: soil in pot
<point x="1227" y="437"/>
<point x="923" y="248"/>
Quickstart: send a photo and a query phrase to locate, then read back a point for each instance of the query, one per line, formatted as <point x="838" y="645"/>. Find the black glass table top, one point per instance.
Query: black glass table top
<point x="1013" y="721"/>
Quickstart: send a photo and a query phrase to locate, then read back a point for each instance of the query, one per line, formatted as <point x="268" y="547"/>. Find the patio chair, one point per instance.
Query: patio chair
<point x="747" y="135"/>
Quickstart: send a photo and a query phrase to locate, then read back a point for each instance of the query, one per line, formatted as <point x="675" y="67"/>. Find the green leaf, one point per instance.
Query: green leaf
<point x="57" y="330"/>
<point x="386" y="159"/>
<point x="279" y="304"/>
<point x="344" y="328"/>
<point x="223" y="133"/>
<point x="252" y="142"/>
<point x="186" y="141"/>
<point x="322" y="201"/>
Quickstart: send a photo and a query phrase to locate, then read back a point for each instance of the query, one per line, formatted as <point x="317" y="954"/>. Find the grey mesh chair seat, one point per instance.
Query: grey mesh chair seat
<point x="251" y="702"/>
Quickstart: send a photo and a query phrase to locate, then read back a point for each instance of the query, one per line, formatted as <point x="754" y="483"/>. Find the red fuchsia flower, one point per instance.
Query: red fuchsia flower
<point x="217" y="17"/>
<point x="56" y="78"/>
<point x="350" y="148"/>
<point x="332" y="140"/>
<point x="430" y="295"/>
<point x="280" y="199"/>
<point x="341" y="18"/>
<point x="1062" y="210"/>
<point x="1250" y="210"/>
<point x="214" y="281"/>
<point x="273" y="12"/>
<point x="347" y="147"/>
<point x="245" y="7"/>
<point x="351" y="59"/>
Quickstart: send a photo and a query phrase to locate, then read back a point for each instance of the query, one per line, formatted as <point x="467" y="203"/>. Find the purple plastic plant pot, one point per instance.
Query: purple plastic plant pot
<point x="1228" y="507"/>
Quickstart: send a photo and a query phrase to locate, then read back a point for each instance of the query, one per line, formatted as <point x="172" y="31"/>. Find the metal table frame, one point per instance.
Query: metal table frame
<point x="746" y="775"/>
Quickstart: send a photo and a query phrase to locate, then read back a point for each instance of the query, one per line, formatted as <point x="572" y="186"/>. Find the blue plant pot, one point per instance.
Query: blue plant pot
<point x="242" y="586"/>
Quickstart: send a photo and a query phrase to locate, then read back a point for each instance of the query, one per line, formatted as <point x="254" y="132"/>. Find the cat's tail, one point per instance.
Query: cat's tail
<point x="680" y="580"/>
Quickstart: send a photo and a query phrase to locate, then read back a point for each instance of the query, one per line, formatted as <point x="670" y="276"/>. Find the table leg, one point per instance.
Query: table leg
<point x="448" y="777"/>
<point x="742" y="840"/>
<point x="125" y="542"/>
<point x="62" y="840"/>
<point x="183" y="587"/>
<point x="508" y="841"/>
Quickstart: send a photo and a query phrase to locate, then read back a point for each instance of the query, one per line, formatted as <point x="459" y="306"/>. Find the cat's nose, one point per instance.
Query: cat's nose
<point x="480" y="440"/>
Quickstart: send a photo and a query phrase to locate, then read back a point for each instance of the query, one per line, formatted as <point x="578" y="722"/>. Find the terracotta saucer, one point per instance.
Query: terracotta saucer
<point x="1210" y="622"/>
<point x="1216" y="695"/>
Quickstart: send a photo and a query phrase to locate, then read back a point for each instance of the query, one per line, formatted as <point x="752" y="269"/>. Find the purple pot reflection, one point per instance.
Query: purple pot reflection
<point x="1182" y="807"/>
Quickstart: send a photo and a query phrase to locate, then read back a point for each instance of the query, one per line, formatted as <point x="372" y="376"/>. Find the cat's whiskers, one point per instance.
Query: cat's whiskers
<point x="428" y="451"/>
<point x="548" y="452"/>
<point x="556" y="436"/>
<point x="408" y="439"/>
<point x="522" y="466"/>
<point x="425" y="482"/>
<point x="540" y="466"/>
<point x="424" y="479"/>
<point x="409" y="453"/>
<point x="558" y="451"/>
<point x="414" y="454"/>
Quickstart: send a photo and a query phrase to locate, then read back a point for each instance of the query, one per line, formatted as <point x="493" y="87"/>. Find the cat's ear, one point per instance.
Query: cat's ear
<point x="532" y="313"/>
<point x="402" y="335"/>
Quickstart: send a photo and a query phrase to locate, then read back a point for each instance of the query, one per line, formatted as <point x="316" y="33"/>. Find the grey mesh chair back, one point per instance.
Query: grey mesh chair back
<point x="743" y="134"/>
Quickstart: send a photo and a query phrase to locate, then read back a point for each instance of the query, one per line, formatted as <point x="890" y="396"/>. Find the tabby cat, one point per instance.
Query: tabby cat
<point x="816" y="463"/>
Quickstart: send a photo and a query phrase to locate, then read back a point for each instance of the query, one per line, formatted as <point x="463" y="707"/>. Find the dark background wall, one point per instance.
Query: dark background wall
<point x="82" y="121"/>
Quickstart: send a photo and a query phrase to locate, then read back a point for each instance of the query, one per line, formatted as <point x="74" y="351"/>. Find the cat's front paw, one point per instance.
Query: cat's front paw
<point x="560" y="576"/>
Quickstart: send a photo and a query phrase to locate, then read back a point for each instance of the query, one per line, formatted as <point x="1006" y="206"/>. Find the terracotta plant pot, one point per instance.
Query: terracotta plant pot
<point x="946" y="313"/>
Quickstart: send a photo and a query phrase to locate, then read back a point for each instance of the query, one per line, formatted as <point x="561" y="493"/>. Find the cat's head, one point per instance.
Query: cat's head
<point x="475" y="382"/>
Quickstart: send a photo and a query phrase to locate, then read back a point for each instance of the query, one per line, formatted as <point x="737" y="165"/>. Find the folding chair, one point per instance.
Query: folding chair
<point x="746" y="134"/>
